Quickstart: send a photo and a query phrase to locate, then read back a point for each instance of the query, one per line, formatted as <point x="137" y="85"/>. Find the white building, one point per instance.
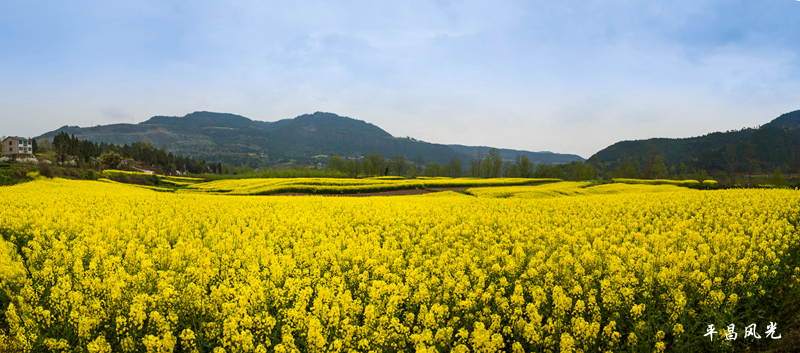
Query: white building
<point x="17" y="147"/>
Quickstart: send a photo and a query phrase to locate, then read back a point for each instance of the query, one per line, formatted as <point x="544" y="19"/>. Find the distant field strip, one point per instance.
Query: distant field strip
<point x="148" y="187"/>
<point x="657" y="182"/>
<point x="344" y="186"/>
<point x="167" y="179"/>
<point x="569" y="188"/>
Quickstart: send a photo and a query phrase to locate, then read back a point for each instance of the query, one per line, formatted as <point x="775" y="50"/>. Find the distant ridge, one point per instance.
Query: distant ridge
<point x="308" y="138"/>
<point x="786" y="121"/>
<point x="773" y="145"/>
<point x="207" y="119"/>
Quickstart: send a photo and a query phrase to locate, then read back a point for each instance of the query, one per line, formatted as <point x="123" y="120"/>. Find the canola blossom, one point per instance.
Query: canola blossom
<point x="92" y="266"/>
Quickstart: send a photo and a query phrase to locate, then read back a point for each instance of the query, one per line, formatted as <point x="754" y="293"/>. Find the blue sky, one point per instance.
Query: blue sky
<point x="564" y="76"/>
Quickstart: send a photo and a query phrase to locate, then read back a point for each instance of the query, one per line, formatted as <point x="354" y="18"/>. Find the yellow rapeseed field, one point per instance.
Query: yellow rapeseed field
<point x="90" y="266"/>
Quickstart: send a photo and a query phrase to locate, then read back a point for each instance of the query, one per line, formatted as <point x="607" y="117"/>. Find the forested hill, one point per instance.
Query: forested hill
<point x="773" y="145"/>
<point x="235" y="140"/>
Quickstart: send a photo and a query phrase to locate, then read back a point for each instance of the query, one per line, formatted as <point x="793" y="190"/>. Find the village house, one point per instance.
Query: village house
<point x="17" y="147"/>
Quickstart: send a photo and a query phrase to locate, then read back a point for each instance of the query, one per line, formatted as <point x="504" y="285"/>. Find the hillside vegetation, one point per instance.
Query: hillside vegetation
<point x="775" y="145"/>
<point x="237" y="140"/>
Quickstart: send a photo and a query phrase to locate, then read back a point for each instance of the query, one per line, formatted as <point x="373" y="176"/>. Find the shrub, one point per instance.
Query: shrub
<point x="33" y="175"/>
<point x="134" y="179"/>
<point x="121" y="178"/>
<point x="28" y="160"/>
<point x="777" y="178"/>
<point x="153" y="180"/>
<point x="110" y="159"/>
<point x="46" y="170"/>
<point x="388" y="177"/>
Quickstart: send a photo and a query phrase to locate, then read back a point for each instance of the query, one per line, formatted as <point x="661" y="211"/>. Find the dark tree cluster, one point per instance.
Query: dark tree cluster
<point x="65" y="147"/>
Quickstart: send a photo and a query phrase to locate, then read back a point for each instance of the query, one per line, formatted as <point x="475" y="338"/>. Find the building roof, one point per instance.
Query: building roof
<point x="16" y="138"/>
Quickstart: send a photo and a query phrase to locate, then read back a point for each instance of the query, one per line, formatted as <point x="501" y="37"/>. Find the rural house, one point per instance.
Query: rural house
<point x="17" y="147"/>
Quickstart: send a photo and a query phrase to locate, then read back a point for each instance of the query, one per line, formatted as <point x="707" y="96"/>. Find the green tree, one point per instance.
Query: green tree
<point x="493" y="164"/>
<point x="43" y="145"/>
<point x="637" y="166"/>
<point x="730" y="159"/>
<point x="454" y="168"/>
<point x="700" y="175"/>
<point x="441" y="169"/>
<point x="598" y="167"/>
<point x="337" y="163"/>
<point x="431" y="169"/>
<point x="366" y="167"/>
<point x="777" y="178"/>
<point x="352" y="168"/>
<point x="626" y="168"/>
<point x="658" y="169"/>
<point x="419" y="163"/>
<point x="398" y="165"/>
<point x="51" y="156"/>
<point x="684" y="171"/>
<point x="510" y="170"/>
<point x="227" y="169"/>
<point x="110" y="159"/>
<point x="589" y="172"/>
<point x="649" y="161"/>
<point x="376" y="164"/>
<point x="752" y="162"/>
<point x="524" y="166"/>
<point x="60" y="145"/>
<point x="475" y="165"/>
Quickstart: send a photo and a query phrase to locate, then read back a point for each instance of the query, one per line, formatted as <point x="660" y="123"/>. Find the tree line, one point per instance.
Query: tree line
<point x="70" y="149"/>
<point x="479" y="166"/>
<point x="730" y="167"/>
<point x="491" y="165"/>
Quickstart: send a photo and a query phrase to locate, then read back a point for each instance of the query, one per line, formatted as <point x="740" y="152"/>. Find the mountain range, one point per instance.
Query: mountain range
<point x="309" y="138"/>
<point x="312" y="138"/>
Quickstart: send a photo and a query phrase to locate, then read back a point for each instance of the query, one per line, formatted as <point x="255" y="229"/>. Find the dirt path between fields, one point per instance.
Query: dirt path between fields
<point x="382" y="193"/>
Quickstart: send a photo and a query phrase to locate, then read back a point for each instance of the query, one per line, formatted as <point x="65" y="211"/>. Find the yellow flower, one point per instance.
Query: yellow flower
<point x="677" y="330"/>
<point x="542" y="266"/>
